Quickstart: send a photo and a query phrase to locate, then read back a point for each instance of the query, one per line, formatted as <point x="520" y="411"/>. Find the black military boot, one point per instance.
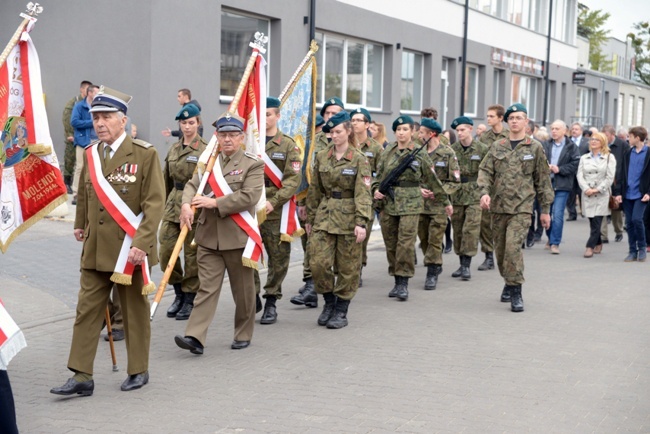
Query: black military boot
<point x="188" y="305"/>
<point x="308" y="283"/>
<point x="339" y="317"/>
<point x="270" y="316"/>
<point x="488" y="264"/>
<point x="431" y="280"/>
<point x="328" y="309"/>
<point x="465" y="274"/>
<point x="67" y="180"/>
<point x="178" y="301"/>
<point x="403" y="289"/>
<point x="308" y="297"/>
<point x="458" y="272"/>
<point x="505" y="294"/>
<point x="393" y="292"/>
<point x="516" y="301"/>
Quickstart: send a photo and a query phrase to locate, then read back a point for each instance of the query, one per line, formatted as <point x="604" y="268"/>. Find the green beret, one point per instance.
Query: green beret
<point x="461" y="120"/>
<point x="329" y="102"/>
<point x="404" y="119"/>
<point x="335" y="120"/>
<point x="319" y="121"/>
<point x="431" y="124"/>
<point x="188" y="111"/>
<point x="272" y="102"/>
<point x="361" y="111"/>
<point x="516" y="107"/>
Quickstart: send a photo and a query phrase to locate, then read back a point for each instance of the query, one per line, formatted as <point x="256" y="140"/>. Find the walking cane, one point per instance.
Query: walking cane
<point x="110" y="339"/>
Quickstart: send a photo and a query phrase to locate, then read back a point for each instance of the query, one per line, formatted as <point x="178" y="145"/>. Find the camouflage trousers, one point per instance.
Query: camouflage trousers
<point x="167" y="236"/>
<point x="510" y="231"/>
<point x="70" y="157"/>
<point x="399" y="234"/>
<point x="304" y="240"/>
<point x="431" y="231"/>
<point x="487" y="243"/>
<point x="466" y="222"/>
<point x="342" y="252"/>
<point x="278" y="254"/>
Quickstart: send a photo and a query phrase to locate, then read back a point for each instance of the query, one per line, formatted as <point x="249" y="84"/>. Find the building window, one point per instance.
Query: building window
<point x="630" y="111"/>
<point x="584" y="103"/>
<point x="471" y="91"/>
<point x="236" y="33"/>
<point x="619" y="109"/>
<point x="524" y="90"/>
<point x="497" y="80"/>
<point x="350" y="69"/>
<point x="412" y="73"/>
<point x="639" y="111"/>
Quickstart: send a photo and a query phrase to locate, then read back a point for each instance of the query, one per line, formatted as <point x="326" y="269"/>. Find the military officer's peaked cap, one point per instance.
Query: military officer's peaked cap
<point x="329" y="102"/>
<point x="188" y="111"/>
<point x="335" y="120"/>
<point x="110" y="100"/>
<point x="320" y="121"/>
<point x="402" y="120"/>
<point x="229" y="122"/>
<point x="272" y="102"/>
<point x="361" y="111"/>
<point x="431" y="124"/>
<point x="516" y="107"/>
<point x="461" y="120"/>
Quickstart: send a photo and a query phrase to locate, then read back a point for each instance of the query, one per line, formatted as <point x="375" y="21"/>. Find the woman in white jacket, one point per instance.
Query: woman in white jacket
<point x="595" y="176"/>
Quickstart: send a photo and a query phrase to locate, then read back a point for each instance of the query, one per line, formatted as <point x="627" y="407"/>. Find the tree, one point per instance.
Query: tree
<point x="590" y="26"/>
<point x="641" y="47"/>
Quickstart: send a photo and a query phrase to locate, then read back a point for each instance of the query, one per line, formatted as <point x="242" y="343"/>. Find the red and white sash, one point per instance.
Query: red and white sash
<point x="289" y="225"/>
<point x="124" y="217"/>
<point x="12" y="339"/>
<point x="246" y="221"/>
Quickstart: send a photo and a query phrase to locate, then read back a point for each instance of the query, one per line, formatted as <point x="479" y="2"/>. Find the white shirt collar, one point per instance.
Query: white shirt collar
<point x="116" y="144"/>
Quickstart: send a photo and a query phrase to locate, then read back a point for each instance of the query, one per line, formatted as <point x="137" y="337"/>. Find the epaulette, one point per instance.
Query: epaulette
<point x="95" y="142"/>
<point x="142" y="143"/>
<point x="249" y="155"/>
<point x="288" y="137"/>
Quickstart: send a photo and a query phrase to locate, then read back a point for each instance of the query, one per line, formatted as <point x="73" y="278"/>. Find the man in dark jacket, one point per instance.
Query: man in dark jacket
<point x="618" y="148"/>
<point x="563" y="158"/>
<point x="582" y="143"/>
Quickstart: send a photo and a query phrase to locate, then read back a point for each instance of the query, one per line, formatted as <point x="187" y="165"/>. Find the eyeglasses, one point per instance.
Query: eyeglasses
<point x="233" y="135"/>
<point x="355" y="121"/>
<point x="516" y="118"/>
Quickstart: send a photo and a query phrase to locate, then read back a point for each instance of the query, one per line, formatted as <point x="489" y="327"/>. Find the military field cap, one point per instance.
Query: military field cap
<point x="229" y="122"/>
<point x="329" y="102"/>
<point x="461" y="120"/>
<point x="320" y="121"/>
<point x="272" y="102"/>
<point x="335" y="120"/>
<point x="188" y="111"/>
<point x="361" y="111"/>
<point x="110" y="100"/>
<point x="431" y="124"/>
<point x="516" y="107"/>
<point x="404" y="119"/>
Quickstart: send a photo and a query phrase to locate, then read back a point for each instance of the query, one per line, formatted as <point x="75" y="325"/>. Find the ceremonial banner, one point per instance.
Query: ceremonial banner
<point x="11" y="338"/>
<point x="31" y="184"/>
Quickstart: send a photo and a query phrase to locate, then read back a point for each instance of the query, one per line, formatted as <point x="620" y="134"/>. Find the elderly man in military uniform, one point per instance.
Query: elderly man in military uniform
<point x="221" y="236"/>
<point x="282" y="176"/>
<point x="433" y="220"/>
<point x="511" y="174"/>
<point x="120" y="205"/>
<point x="466" y="220"/>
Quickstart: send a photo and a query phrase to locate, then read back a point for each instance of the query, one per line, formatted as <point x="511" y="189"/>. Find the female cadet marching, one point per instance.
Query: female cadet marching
<point x="179" y="168"/>
<point x="401" y="212"/>
<point x="338" y="213"/>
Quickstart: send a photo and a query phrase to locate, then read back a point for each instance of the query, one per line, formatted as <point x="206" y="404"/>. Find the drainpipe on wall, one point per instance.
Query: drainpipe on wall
<point x="547" y="82"/>
<point x="464" y="62"/>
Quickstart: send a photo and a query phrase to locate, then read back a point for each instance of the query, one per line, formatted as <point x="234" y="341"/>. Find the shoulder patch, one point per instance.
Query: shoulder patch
<point x="142" y="143"/>
<point x="249" y="155"/>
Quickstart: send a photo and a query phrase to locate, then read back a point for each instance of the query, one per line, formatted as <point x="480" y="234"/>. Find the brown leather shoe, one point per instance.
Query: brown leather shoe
<point x="598" y="248"/>
<point x="589" y="252"/>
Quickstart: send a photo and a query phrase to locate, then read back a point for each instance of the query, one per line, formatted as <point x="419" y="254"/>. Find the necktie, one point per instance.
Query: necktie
<point x="107" y="154"/>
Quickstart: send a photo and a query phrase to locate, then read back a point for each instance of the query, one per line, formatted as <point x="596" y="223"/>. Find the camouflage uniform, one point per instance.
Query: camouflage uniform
<point x="487" y="243"/>
<point x="180" y="165"/>
<point x="466" y="220"/>
<point x="284" y="153"/>
<point x="399" y="219"/>
<point x="69" y="153"/>
<point x="338" y="200"/>
<point x="372" y="150"/>
<point x="514" y="177"/>
<point x="433" y="220"/>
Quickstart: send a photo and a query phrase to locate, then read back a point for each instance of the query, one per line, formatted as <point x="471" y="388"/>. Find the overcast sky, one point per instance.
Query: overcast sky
<point x="623" y="14"/>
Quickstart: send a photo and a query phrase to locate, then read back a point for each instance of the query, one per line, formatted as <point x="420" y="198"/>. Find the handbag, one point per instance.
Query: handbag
<point x="612" y="202"/>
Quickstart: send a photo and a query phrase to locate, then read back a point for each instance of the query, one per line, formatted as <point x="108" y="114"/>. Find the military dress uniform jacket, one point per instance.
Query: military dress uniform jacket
<point x="320" y="143"/>
<point x="469" y="160"/>
<point x="339" y="197"/>
<point x="143" y="192"/>
<point x="216" y="230"/>
<point x="284" y="153"/>
<point x="516" y="176"/>
<point x="447" y="170"/>
<point x="180" y="165"/>
<point x="408" y="197"/>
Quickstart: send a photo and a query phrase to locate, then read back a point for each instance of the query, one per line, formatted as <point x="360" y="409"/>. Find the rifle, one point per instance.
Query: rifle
<point x="386" y="186"/>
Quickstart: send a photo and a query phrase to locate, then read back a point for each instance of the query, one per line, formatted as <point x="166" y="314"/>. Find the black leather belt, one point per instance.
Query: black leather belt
<point x="179" y="185"/>
<point x="465" y="179"/>
<point x="341" y="195"/>
<point x="407" y="184"/>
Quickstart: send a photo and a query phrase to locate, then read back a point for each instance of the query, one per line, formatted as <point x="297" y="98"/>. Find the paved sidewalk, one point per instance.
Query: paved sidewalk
<point x="450" y="360"/>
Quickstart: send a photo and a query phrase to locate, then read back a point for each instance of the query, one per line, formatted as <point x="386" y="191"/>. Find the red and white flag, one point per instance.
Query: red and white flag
<point x="31" y="184"/>
<point x="11" y="338"/>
